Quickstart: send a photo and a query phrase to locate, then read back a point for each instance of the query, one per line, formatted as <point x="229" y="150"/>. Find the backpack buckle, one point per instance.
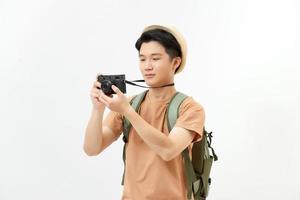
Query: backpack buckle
<point x="125" y="139"/>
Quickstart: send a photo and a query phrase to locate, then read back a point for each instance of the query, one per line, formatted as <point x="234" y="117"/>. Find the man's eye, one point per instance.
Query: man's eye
<point x="142" y="59"/>
<point x="156" y="58"/>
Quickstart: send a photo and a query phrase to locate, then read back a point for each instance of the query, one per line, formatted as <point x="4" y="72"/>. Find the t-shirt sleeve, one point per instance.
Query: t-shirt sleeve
<point x="191" y="117"/>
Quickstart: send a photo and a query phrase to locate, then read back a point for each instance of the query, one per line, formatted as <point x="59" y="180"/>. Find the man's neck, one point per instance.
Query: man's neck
<point x="160" y="94"/>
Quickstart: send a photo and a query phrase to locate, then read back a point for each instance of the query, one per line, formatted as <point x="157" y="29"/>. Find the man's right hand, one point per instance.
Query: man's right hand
<point x="94" y="94"/>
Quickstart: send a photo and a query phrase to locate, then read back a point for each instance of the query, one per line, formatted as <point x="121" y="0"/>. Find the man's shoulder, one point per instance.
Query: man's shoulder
<point x="190" y="103"/>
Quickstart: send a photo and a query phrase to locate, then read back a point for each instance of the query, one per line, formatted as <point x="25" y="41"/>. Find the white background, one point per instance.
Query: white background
<point x="243" y="67"/>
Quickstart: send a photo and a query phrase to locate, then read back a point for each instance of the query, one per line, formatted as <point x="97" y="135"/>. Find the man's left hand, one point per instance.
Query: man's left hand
<point x="117" y="103"/>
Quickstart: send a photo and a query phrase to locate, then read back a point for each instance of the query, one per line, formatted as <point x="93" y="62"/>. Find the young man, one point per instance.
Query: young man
<point x="154" y="164"/>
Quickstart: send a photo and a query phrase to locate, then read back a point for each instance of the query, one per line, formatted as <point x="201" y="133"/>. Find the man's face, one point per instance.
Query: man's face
<point x="155" y="64"/>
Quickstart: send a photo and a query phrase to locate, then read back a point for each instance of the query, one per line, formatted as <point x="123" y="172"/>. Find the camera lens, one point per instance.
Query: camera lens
<point x="106" y="86"/>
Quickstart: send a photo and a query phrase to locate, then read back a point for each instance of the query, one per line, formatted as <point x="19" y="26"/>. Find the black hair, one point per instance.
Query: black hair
<point x="166" y="39"/>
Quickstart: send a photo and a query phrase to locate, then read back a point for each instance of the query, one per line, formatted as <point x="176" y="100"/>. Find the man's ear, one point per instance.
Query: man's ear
<point x="176" y="63"/>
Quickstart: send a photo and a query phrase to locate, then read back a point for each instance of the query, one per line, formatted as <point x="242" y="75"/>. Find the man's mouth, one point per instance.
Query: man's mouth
<point x="149" y="75"/>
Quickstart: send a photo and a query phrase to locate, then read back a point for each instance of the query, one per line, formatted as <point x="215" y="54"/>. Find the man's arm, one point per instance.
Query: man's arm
<point x="97" y="136"/>
<point x="166" y="146"/>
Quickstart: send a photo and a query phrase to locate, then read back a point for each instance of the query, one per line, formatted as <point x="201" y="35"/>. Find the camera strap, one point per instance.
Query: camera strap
<point x="132" y="83"/>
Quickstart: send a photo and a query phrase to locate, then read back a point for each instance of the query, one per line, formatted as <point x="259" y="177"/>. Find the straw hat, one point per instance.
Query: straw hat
<point x="180" y="39"/>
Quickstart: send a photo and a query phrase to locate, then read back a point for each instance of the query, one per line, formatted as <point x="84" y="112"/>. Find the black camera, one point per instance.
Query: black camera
<point x="108" y="80"/>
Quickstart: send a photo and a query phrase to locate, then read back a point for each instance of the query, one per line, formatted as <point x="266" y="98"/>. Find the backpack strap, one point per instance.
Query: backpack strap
<point x="135" y="103"/>
<point x="173" y="109"/>
<point x="209" y="136"/>
<point x="192" y="183"/>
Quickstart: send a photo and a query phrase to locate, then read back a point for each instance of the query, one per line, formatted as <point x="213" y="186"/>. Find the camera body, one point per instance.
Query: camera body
<point x="108" y="80"/>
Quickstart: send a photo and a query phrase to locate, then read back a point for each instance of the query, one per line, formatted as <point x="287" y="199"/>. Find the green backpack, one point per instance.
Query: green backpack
<point x="198" y="169"/>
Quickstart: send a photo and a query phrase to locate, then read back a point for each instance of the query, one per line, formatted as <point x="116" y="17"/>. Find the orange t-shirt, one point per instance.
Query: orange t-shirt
<point x="147" y="175"/>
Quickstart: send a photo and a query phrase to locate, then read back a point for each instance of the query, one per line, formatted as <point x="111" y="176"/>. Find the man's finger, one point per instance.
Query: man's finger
<point x="98" y="74"/>
<point x="103" y="100"/>
<point x="97" y="84"/>
<point x="116" y="90"/>
<point x="104" y="96"/>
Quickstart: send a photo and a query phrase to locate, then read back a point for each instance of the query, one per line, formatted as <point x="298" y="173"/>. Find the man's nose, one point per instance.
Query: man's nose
<point x="148" y="66"/>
